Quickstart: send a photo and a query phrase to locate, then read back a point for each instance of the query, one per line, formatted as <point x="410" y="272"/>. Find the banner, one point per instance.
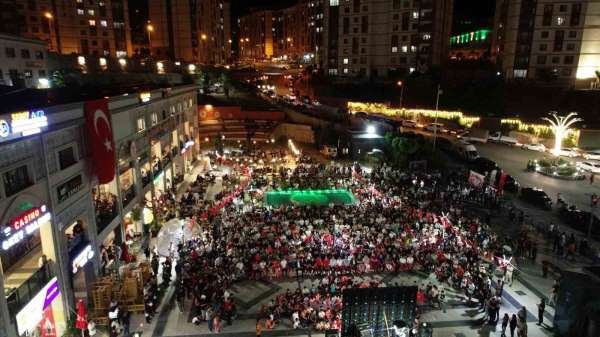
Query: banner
<point x="48" y="326"/>
<point x="476" y="179"/>
<point x="100" y="132"/>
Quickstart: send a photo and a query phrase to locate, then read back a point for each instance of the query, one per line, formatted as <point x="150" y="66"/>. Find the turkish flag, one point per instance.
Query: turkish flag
<point x="47" y="324"/>
<point x="501" y="183"/>
<point x="99" y="127"/>
<point x="81" y="322"/>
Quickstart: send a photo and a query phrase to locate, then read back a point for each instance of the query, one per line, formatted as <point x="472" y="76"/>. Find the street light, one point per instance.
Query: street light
<point x="401" y="85"/>
<point x="149" y="29"/>
<point x="48" y="15"/>
<point x="203" y="36"/>
<point x="437" y="103"/>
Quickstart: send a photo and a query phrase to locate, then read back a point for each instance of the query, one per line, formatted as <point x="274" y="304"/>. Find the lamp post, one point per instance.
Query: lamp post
<point x="401" y="85"/>
<point x="437" y="103"/>
<point x="50" y="17"/>
<point x="150" y="30"/>
<point x="560" y="125"/>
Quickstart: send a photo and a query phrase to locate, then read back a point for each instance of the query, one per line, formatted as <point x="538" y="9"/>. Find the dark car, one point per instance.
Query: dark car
<point x="483" y="165"/>
<point x="536" y="197"/>
<point x="580" y="220"/>
<point x="444" y="144"/>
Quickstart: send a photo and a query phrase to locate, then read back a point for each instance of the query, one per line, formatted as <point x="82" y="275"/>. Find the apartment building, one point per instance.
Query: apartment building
<point x="99" y="28"/>
<point x="378" y="38"/>
<point x="52" y="204"/>
<point x="23" y="62"/>
<point x="190" y="31"/>
<point x="549" y="41"/>
<point x="293" y="33"/>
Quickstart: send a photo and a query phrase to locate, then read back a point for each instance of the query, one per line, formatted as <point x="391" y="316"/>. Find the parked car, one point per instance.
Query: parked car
<point x="592" y="155"/>
<point x="535" y="147"/>
<point x="483" y="165"/>
<point x="568" y="152"/>
<point x="589" y="166"/>
<point x="466" y="150"/>
<point x="499" y="138"/>
<point x="579" y="219"/>
<point x="437" y="127"/>
<point x="409" y="124"/>
<point x="536" y="197"/>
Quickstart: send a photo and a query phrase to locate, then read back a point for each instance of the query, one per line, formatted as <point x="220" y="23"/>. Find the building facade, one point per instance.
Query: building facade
<point x="550" y="41"/>
<point x="190" y="31"/>
<point x="292" y="33"/>
<point x="51" y="204"/>
<point x="98" y="28"/>
<point x="386" y="38"/>
<point x="23" y="62"/>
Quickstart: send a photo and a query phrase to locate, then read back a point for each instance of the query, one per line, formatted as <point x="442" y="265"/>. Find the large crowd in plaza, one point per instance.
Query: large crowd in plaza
<point x="402" y="221"/>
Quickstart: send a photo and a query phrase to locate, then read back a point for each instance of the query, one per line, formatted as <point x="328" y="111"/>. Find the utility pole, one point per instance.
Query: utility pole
<point x="437" y="103"/>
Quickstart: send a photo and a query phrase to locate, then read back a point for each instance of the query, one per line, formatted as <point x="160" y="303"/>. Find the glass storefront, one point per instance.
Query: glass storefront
<point x="105" y="202"/>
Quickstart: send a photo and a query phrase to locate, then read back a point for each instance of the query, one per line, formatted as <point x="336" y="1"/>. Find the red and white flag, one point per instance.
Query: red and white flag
<point x="99" y="127"/>
<point x="476" y="179"/>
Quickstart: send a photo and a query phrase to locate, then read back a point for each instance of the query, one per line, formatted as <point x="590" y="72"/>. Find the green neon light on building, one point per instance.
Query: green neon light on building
<point x="478" y="35"/>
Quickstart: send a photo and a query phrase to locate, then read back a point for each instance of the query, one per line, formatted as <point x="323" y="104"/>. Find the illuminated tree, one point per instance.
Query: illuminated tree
<point x="560" y="126"/>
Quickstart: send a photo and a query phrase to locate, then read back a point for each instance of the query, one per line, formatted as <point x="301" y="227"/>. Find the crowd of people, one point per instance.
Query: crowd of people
<point x="402" y="221"/>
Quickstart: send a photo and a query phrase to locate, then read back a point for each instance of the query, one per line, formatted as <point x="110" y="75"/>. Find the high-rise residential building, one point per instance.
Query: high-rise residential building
<point x="378" y="38"/>
<point x="292" y="33"/>
<point x="552" y="41"/>
<point x="98" y="28"/>
<point x="190" y="31"/>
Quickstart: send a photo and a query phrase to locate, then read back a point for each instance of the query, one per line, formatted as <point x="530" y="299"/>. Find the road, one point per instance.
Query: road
<point x="514" y="161"/>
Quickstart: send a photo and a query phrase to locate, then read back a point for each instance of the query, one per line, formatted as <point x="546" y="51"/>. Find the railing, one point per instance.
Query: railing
<point x="105" y="215"/>
<point x="128" y="195"/>
<point x="157" y="169"/>
<point x="146" y="179"/>
<point x="17" y="298"/>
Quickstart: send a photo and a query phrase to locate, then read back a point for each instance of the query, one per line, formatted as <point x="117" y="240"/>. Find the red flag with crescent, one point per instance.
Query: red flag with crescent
<point x="81" y="322"/>
<point x="99" y="128"/>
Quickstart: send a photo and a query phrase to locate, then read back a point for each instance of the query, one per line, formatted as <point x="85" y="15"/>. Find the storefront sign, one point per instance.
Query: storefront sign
<point x="28" y="122"/>
<point x="24" y="225"/>
<point x="69" y="188"/>
<point x="33" y="313"/>
<point x="83" y="258"/>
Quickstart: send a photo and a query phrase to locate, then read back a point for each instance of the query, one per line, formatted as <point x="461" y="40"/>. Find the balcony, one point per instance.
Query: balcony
<point x="106" y="210"/>
<point x="74" y="240"/>
<point x="157" y="169"/>
<point x="128" y="195"/>
<point x="17" y="298"/>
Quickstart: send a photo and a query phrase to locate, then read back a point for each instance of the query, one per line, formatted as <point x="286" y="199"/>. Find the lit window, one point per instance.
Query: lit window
<point x="394" y="49"/>
<point x="141" y="124"/>
<point x="80" y="11"/>
<point x="345" y="61"/>
<point x="413" y="49"/>
<point x="405" y="49"/>
<point x="91" y="12"/>
<point x="415" y="15"/>
<point x="560" y="20"/>
<point x="103" y="23"/>
<point x="426" y="36"/>
<point x="520" y="73"/>
<point x="154" y="118"/>
<point x="333" y="3"/>
<point x="345" y="70"/>
<point x="332" y="71"/>
<point x="92" y="22"/>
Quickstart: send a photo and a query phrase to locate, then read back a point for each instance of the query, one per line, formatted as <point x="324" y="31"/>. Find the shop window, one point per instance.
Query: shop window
<point x="16" y="180"/>
<point x="154" y="118"/>
<point x="141" y="124"/>
<point x="67" y="157"/>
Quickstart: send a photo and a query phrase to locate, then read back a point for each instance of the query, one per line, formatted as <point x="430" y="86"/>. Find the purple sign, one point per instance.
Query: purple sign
<point x="51" y="293"/>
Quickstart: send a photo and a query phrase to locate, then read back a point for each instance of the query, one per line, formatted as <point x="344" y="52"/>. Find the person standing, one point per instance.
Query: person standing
<point x="541" y="308"/>
<point x="513" y="325"/>
<point x="442" y="300"/>
<point x="258" y="328"/>
<point x="505" y="321"/>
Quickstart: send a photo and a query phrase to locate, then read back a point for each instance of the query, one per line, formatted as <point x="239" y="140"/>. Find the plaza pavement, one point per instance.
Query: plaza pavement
<point x="458" y="320"/>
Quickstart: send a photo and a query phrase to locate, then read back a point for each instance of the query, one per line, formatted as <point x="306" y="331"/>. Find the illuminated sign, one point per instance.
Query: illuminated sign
<point x="28" y="122"/>
<point x="24" y="225"/>
<point x="478" y="35"/>
<point x="32" y="313"/>
<point x="145" y="96"/>
<point x="83" y="258"/>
